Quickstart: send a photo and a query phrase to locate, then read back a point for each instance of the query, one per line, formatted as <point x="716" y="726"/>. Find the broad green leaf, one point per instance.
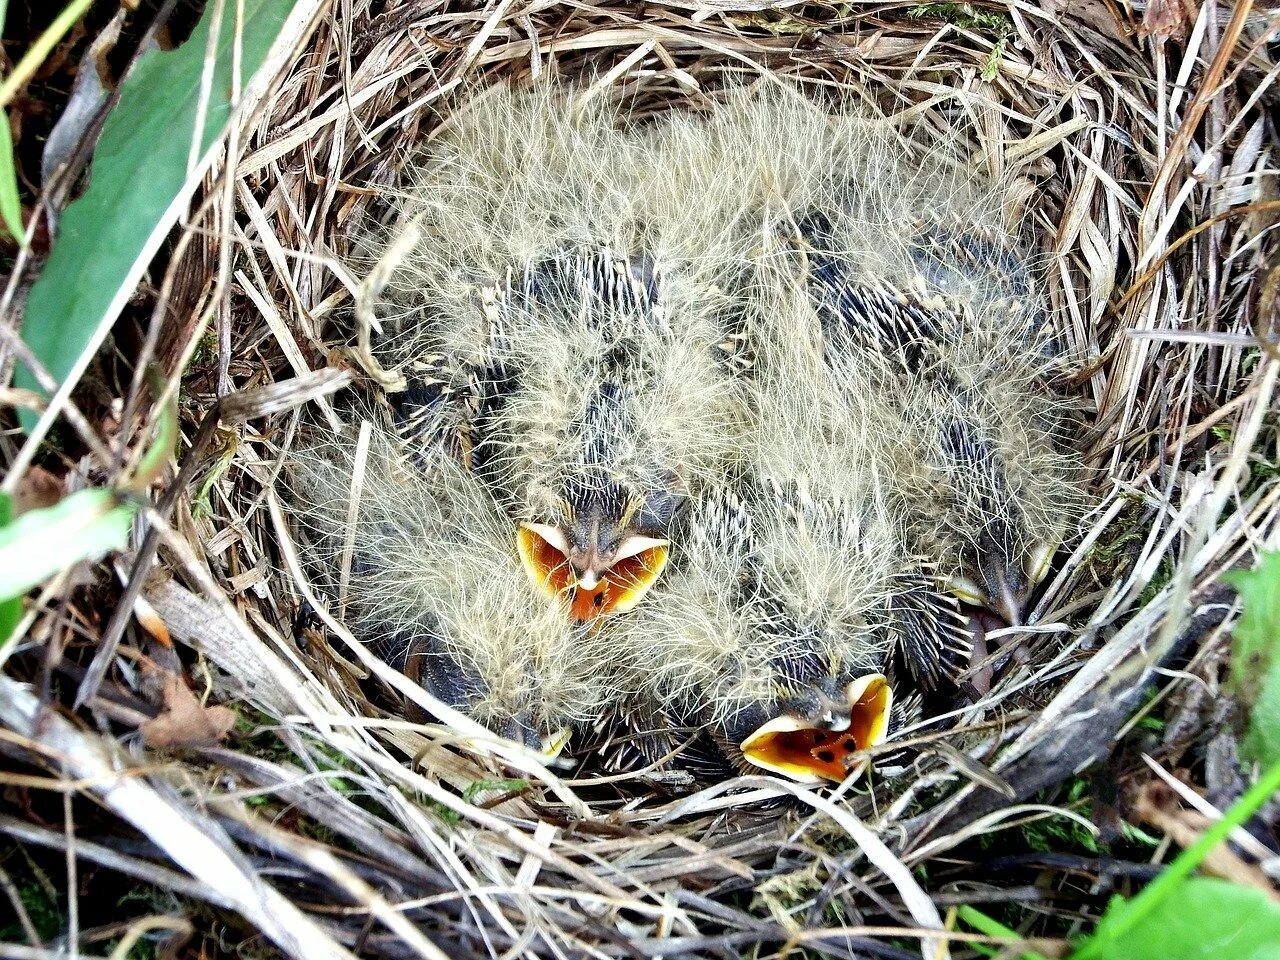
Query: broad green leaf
<point x="1255" y="656"/>
<point x="137" y="179"/>
<point x="10" y="205"/>
<point x="11" y="609"/>
<point x="1126" y="922"/>
<point x="84" y="526"/>
<point x="1201" y="919"/>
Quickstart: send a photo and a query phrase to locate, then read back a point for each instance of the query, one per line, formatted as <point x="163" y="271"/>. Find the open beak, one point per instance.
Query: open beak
<point x="616" y="589"/>
<point x="786" y="745"/>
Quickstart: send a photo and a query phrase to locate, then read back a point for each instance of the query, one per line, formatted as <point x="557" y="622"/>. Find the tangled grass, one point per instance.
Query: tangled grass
<point x="326" y="824"/>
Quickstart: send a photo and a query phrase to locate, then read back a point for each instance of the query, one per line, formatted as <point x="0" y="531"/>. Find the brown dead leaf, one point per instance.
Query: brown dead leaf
<point x="1267" y="326"/>
<point x="1101" y="15"/>
<point x="1160" y="807"/>
<point x="38" y="488"/>
<point x="184" y="722"/>
<point x="1167" y="19"/>
<point x="90" y="91"/>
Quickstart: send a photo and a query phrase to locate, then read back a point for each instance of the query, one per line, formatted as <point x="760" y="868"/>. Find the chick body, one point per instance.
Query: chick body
<point x="777" y="630"/>
<point x="743" y="634"/>
<point x="929" y="312"/>
<point x="981" y="466"/>
<point x="556" y="349"/>
<point x="793" y="592"/>
<point x="434" y="584"/>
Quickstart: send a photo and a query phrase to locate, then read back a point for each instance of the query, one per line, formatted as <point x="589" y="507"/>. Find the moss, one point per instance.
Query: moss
<point x="963" y="15"/>
<point x="1163" y="574"/>
<point x="1059" y="835"/>
<point x="479" y="788"/>
<point x="39" y="898"/>
<point x="773" y="22"/>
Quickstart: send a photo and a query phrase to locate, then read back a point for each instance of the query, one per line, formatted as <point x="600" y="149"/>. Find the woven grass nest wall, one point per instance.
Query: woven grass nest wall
<point x="326" y="824"/>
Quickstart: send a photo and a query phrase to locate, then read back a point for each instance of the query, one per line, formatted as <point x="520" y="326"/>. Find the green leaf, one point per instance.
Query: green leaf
<point x="139" y="171"/>
<point x="164" y="442"/>
<point x="1255" y="663"/>
<point x="10" y="205"/>
<point x="40" y="543"/>
<point x="11" y="609"/>
<point x="991" y="69"/>
<point x="1125" y="921"/>
<point x="1202" y="919"/>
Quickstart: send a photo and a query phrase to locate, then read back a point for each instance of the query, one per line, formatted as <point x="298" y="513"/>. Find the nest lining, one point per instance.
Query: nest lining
<point x="487" y="853"/>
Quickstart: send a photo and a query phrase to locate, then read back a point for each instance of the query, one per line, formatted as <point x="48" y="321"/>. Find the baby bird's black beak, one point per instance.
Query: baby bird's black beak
<point x="994" y="590"/>
<point x="1002" y="585"/>
<point x="1009" y="600"/>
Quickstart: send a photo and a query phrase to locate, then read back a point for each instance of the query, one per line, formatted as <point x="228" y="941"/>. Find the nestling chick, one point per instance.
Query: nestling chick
<point x="551" y="345"/>
<point x="833" y="440"/>
<point x="792" y="591"/>
<point x="434" y="584"/>
<point x="982" y="467"/>
<point x="777" y="628"/>
<point x="922" y="294"/>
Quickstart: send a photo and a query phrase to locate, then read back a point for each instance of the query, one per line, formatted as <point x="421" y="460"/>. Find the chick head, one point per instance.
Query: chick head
<point x="604" y="553"/>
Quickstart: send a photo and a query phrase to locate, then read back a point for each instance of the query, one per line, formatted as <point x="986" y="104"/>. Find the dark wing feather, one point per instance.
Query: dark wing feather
<point x="931" y="633"/>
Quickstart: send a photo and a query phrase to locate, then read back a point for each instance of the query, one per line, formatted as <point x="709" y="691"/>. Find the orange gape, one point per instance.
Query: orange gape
<point x="818" y="751"/>
<point x="824" y="753"/>
<point x="620" y="588"/>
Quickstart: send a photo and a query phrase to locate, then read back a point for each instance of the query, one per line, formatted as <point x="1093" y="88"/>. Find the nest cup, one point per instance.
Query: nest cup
<point x="1143" y="192"/>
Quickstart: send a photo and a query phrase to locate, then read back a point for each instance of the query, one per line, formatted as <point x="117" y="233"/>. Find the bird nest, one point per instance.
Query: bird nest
<point x="328" y="821"/>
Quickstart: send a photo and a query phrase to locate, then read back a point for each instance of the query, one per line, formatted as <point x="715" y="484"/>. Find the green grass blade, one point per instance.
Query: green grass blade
<point x="10" y="205"/>
<point x="139" y="185"/>
<point x="164" y="442"/>
<point x="993" y="928"/>
<point x="40" y="50"/>
<point x="1167" y="900"/>
<point x="11" y="609"/>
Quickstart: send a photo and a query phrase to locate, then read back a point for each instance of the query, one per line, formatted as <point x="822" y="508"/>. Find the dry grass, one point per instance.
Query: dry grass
<point x="332" y="826"/>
